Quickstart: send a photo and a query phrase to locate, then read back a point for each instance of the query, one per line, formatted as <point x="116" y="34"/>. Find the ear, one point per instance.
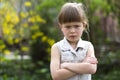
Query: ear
<point x="85" y="25"/>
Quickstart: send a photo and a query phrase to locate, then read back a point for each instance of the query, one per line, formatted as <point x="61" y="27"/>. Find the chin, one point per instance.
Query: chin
<point x="73" y="40"/>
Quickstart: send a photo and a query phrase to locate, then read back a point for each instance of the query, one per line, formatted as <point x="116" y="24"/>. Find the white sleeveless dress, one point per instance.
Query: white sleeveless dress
<point x="68" y="54"/>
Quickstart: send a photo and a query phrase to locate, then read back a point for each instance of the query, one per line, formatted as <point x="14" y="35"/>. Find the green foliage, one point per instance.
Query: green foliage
<point x="38" y="47"/>
<point x="101" y="4"/>
<point x="21" y="30"/>
<point x="49" y="10"/>
<point x="15" y="70"/>
<point x="113" y="75"/>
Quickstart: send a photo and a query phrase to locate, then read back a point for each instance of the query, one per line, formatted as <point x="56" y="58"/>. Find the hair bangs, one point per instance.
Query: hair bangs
<point x="70" y="15"/>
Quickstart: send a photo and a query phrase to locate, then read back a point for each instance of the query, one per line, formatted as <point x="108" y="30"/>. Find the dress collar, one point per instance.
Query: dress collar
<point x="80" y="43"/>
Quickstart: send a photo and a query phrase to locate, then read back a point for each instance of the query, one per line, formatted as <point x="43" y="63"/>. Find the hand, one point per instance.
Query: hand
<point x="91" y="60"/>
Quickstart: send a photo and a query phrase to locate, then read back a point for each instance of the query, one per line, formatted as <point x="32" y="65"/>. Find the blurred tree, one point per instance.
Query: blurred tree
<point x="20" y="30"/>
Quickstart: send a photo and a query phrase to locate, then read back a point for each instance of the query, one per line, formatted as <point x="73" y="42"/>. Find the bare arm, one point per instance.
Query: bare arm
<point x="56" y="71"/>
<point x="88" y="66"/>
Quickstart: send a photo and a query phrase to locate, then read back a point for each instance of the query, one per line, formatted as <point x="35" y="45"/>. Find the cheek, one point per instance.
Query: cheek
<point x="64" y="31"/>
<point x="80" y="32"/>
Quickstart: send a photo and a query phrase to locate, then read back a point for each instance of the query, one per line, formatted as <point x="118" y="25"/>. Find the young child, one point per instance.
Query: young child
<point x="72" y="58"/>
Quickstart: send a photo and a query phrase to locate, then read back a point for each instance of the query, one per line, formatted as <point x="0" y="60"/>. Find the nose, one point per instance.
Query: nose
<point x="72" y="29"/>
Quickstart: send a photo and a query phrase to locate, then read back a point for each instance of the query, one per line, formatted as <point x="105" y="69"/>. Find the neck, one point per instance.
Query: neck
<point x="73" y="44"/>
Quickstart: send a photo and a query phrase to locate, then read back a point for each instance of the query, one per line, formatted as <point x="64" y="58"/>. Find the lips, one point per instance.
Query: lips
<point x="72" y="36"/>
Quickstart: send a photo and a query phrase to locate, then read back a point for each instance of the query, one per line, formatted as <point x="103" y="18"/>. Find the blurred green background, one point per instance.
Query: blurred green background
<point x="28" y="29"/>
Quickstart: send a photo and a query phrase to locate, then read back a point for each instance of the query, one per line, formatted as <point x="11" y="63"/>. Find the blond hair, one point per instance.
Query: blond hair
<point x="73" y="12"/>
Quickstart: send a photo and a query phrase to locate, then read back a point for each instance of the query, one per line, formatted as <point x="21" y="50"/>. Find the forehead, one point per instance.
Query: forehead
<point x="71" y="23"/>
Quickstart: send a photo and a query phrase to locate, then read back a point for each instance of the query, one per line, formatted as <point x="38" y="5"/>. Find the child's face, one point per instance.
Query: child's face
<point x="72" y="31"/>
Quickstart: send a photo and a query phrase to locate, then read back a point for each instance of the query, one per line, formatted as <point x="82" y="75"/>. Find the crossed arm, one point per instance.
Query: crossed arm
<point x="66" y="70"/>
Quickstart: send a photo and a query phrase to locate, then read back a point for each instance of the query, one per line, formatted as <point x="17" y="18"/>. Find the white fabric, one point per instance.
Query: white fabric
<point x="68" y="54"/>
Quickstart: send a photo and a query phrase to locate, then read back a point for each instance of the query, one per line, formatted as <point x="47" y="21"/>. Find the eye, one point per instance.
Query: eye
<point x="67" y="27"/>
<point x="76" y="26"/>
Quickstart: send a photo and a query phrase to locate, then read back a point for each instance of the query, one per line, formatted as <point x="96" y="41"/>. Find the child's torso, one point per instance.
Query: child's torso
<point x="68" y="54"/>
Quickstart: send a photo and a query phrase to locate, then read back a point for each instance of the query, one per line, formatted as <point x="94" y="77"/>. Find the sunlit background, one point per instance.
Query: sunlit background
<point x="28" y="29"/>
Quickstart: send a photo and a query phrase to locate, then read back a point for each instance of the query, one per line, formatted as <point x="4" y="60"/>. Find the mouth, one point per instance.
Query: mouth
<point x="73" y="36"/>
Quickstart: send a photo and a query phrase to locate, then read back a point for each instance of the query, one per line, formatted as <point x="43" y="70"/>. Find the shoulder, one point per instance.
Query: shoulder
<point x="84" y="44"/>
<point x="54" y="46"/>
<point x="90" y="49"/>
<point x="87" y="43"/>
<point x="57" y="44"/>
<point x="55" y="52"/>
